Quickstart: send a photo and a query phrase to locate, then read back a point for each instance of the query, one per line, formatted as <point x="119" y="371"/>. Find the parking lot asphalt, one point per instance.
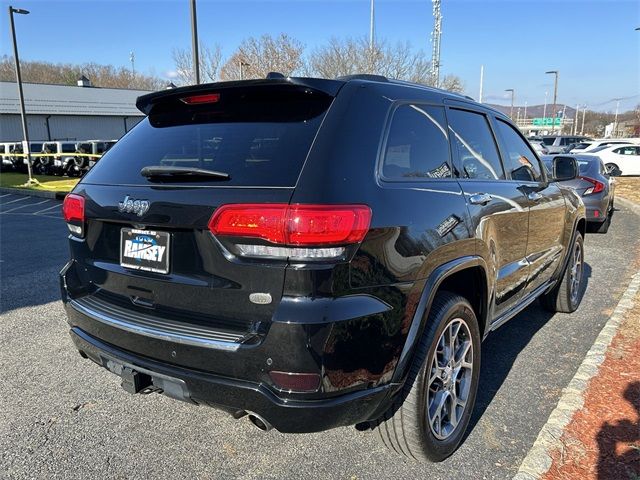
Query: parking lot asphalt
<point x="64" y="417"/>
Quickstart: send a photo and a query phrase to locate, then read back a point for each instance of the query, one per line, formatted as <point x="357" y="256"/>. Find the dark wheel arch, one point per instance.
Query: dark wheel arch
<point x="448" y="275"/>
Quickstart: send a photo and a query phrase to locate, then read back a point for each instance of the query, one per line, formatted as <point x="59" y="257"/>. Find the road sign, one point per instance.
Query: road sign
<point x="547" y="121"/>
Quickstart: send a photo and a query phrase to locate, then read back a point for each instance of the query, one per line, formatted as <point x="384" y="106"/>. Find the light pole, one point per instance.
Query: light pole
<point x="513" y="92"/>
<point x="23" y="113"/>
<point x="555" y="98"/>
<point x="544" y="110"/>
<point x="242" y="65"/>
<point x="584" y="114"/>
<point x="615" y="121"/>
<point x="194" y="43"/>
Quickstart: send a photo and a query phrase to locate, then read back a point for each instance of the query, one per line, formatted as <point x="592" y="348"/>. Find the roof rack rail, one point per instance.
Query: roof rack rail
<point x="364" y="76"/>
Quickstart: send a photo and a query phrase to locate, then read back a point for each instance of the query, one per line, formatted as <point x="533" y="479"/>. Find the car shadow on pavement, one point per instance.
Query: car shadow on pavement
<point x="626" y="433"/>
<point x="502" y="347"/>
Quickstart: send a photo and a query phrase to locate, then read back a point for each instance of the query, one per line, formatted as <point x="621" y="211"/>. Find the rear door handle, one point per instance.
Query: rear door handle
<point x="480" y="199"/>
<point x="535" y="196"/>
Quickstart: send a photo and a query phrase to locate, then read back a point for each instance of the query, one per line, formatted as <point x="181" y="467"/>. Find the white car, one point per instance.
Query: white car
<point x="589" y="146"/>
<point x="620" y="159"/>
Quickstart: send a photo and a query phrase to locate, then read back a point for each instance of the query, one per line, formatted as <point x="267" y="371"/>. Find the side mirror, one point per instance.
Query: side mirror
<point x="564" y="168"/>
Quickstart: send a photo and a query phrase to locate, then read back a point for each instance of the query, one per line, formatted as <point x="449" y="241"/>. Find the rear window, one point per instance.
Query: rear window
<point x="548" y="140"/>
<point x="265" y="146"/>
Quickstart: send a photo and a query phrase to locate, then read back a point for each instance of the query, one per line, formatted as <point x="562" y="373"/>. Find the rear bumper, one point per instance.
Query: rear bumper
<point x="234" y="395"/>
<point x="344" y="340"/>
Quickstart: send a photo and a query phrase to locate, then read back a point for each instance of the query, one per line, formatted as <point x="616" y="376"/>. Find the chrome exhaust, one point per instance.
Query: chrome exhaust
<point x="259" y="422"/>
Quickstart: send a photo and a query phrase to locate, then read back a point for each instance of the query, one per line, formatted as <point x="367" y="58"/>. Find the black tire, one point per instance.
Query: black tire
<point x="567" y="295"/>
<point x="405" y="428"/>
<point x="613" y="169"/>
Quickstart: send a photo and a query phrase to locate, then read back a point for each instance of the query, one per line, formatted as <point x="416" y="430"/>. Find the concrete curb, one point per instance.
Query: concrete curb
<point x="33" y="193"/>
<point x="628" y="204"/>
<point x="538" y="460"/>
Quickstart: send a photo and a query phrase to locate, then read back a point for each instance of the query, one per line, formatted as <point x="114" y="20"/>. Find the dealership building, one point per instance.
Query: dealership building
<point x="61" y="112"/>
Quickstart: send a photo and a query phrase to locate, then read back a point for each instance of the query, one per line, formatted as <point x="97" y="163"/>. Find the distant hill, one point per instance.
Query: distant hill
<point x="534" y="111"/>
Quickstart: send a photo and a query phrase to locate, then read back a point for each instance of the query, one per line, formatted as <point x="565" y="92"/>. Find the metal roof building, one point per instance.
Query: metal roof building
<point x="61" y="112"/>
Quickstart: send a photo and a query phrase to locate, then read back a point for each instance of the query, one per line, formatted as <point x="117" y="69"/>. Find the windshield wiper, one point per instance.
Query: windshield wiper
<point x="182" y="173"/>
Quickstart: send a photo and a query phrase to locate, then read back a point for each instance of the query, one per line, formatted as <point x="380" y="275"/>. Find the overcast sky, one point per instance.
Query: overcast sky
<point x="593" y="44"/>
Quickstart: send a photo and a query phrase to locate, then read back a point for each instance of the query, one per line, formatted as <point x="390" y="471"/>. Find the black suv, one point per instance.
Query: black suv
<point x="317" y="253"/>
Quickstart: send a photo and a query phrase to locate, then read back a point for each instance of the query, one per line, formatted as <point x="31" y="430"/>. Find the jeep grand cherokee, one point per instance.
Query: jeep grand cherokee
<point x="317" y="253"/>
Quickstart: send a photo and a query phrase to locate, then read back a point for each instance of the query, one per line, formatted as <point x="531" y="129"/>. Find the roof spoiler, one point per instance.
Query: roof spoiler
<point x="145" y="103"/>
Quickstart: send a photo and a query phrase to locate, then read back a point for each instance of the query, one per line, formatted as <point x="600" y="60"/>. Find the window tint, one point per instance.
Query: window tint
<point x="417" y="145"/>
<point x="626" y="151"/>
<point x="475" y="146"/>
<point x="252" y="153"/>
<point x="68" y="148"/>
<point x="548" y="140"/>
<point x="520" y="162"/>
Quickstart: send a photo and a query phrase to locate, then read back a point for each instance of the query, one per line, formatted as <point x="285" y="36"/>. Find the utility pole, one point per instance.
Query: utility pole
<point x="194" y="43"/>
<point x="435" y="40"/>
<point x="372" y="16"/>
<point x="615" y="121"/>
<point x="481" y="83"/>
<point x="555" y="98"/>
<point x="132" y="59"/>
<point x="23" y="113"/>
<point x="584" y="114"/>
<point x="513" y="92"/>
<point x="575" y="120"/>
<point x="525" y="111"/>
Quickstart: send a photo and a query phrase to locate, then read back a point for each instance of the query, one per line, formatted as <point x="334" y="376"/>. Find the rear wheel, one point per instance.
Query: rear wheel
<point x="613" y="169"/>
<point x="430" y="416"/>
<point x="567" y="295"/>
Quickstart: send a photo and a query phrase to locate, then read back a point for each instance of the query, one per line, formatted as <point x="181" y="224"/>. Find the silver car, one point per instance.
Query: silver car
<point x="596" y="188"/>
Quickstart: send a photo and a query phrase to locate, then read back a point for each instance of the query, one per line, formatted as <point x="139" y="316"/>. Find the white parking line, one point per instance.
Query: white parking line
<point x="27" y="205"/>
<point x="45" y="209"/>
<point x="6" y="195"/>
<point x="17" y="200"/>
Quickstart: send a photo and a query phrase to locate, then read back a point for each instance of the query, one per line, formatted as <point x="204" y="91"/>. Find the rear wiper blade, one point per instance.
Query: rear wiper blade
<point x="182" y="173"/>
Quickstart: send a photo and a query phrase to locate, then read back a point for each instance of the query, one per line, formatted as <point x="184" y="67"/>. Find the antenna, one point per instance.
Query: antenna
<point x="435" y="40"/>
<point x="132" y="59"/>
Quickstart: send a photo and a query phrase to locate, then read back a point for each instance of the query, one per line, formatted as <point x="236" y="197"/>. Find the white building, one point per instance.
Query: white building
<point x="61" y="112"/>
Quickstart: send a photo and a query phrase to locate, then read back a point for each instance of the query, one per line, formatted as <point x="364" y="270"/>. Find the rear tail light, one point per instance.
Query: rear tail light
<point x="298" y="231"/>
<point x="295" y="382"/>
<point x="73" y="213"/>
<point x="596" y="188"/>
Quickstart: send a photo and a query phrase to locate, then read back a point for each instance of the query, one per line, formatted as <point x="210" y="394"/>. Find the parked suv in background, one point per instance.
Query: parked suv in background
<point x="558" y="143"/>
<point x="317" y="253"/>
<point x="62" y="161"/>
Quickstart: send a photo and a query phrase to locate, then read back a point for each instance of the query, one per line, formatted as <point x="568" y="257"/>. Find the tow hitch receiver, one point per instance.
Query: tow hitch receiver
<point x="132" y="380"/>
<point x="143" y="381"/>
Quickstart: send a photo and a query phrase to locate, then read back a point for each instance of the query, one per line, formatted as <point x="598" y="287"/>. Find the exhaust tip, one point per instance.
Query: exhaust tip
<point x="260" y="422"/>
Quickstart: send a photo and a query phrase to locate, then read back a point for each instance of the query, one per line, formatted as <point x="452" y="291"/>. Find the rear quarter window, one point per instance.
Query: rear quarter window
<point x="417" y="145"/>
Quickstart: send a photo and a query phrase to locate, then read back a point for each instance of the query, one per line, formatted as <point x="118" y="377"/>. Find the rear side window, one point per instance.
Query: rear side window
<point x="68" y="148"/>
<point x="475" y="147"/>
<point x="257" y="139"/>
<point x="520" y="161"/>
<point x="417" y="144"/>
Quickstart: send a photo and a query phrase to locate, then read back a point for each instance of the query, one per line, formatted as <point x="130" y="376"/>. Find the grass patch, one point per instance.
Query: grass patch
<point x="629" y="188"/>
<point x="48" y="183"/>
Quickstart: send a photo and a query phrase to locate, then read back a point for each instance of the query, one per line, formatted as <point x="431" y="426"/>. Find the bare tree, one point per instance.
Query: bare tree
<point x="106" y="76"/>
<point x="351" y="56"/>
<point x="210" y="58"/>
<point x="255" y="57"/>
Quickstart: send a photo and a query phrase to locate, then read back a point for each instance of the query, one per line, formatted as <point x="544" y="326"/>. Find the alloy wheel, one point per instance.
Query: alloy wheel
<point x="575" y="274"/>
<point x="450" y="373"/>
